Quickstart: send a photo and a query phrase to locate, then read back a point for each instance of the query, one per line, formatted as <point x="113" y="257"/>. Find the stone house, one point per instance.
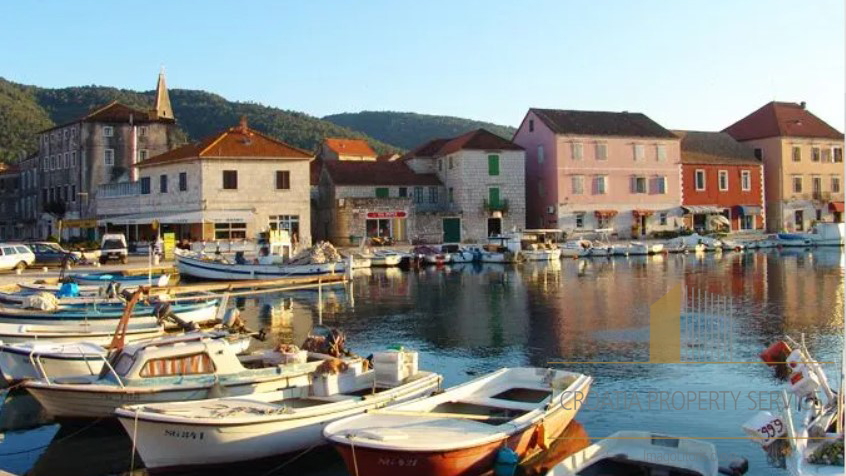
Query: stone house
<point x="10" y="182"/>
<point x="590" y="170"/>
<point x="229" y="186"/>
<point x="74" y="159"/>
<point x="483" y="180"/>
<point x="722" y="183"/>
<point x="803" y="164"/>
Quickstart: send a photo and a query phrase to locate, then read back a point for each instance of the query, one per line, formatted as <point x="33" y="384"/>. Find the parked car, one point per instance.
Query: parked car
<point x="15" y="256"/>
<point x="52" y="254"/>
<point x="113" y="247"/>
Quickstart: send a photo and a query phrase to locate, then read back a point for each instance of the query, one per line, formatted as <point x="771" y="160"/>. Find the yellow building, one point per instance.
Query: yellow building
<point x="803" y="164"/>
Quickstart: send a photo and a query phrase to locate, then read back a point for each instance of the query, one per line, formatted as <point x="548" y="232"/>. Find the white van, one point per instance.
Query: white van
<point x="113" y="247"/>
<point x="15" y="256"/>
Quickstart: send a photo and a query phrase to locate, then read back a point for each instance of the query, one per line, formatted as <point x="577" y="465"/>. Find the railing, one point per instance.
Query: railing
<point x="495" y="206"/>
<point x="119" y="189"/>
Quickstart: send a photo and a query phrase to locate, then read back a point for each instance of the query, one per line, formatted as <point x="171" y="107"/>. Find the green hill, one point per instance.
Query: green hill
<point x="25" y="110"/>
<point x="408" y="129"/>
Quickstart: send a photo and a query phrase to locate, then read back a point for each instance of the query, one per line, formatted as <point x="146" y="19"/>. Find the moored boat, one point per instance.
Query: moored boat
<point x="97" y="333"/>
<point x="102" y="279"/>
<point x="197" y="311"/>
<point x="276" y="423"/>
<point x="460" y="431"/>
<point x="204" y="267"/>
<point x="385" y="259"/>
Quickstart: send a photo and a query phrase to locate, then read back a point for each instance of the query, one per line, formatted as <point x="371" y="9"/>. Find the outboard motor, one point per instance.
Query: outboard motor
<point x="164" y="312"/>
<point x="113" y="289"/>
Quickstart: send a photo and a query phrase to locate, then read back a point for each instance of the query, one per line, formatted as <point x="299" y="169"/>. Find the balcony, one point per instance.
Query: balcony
<point x="119" y="189"/>
<point x="495" y="206"/>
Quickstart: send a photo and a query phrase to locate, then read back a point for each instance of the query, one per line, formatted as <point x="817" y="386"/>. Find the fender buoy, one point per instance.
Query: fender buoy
<point x="776" y="354"/>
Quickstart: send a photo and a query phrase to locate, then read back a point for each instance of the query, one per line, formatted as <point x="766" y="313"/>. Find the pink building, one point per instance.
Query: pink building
<point x="587" y="170"/>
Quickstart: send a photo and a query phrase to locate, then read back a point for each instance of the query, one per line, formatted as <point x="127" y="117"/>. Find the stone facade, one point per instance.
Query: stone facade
<point x="9" y="202"/>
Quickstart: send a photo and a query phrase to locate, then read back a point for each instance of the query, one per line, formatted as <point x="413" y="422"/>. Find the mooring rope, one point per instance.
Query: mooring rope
<point x="289" y="461"/>
<point x="355" y="461"/>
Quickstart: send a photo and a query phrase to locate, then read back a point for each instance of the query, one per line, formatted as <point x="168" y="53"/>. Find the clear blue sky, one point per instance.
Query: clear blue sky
<point x="686" y="63"/>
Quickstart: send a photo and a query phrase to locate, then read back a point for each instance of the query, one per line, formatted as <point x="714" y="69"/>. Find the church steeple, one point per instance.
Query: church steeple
<point x="162" y="109"/>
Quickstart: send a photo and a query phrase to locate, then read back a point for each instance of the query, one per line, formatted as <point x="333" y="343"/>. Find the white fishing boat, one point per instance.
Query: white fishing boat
<point x="135" y="280"/>
<point x="458" y="254"/>
<point x="385" y="258"/>
<point x="644" y="453"/>
<point x="96" y="333"/>
<point x="767" y="242"/>
<point x="501" y="249"/>
<point x="205" y="267"/>
<point x="810" y="441"/>
<point x="540" y="245"/>
<point x="237" y="429"/>
<point x="459" y="431"/>
<point x="187" y="367"/>
<point x="639" y="248"/>
<point x="360" y="261"/>
<point x="44" y="359"/>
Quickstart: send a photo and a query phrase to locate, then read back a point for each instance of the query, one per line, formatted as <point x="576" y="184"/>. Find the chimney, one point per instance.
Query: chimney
<point x="802" y="104"/>
<point x="242" y="126"/>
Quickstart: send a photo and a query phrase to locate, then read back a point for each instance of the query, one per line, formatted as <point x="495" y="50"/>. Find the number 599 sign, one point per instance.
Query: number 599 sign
<point x="765" y="428"/>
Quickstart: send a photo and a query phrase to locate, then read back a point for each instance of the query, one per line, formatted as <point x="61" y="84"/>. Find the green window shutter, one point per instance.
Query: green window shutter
<point x="493" y="164"/>
<point x="493" y="196"/>
<point x="382" y="192"/>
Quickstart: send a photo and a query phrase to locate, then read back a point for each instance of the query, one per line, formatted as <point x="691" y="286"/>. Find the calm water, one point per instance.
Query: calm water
<point x="469" y="320"/>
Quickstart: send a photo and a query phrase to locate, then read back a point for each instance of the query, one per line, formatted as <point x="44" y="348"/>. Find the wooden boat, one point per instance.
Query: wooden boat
<point x="188" y="367"/>
<point x="459" y="432"/>
<point x="198" y="311"/>
<point x="238" y="429"/>
<point x="102" y="279"/>
<point x="641" y="452"/>
<point x="43" y="359"/>
<point x="206" y="268"/>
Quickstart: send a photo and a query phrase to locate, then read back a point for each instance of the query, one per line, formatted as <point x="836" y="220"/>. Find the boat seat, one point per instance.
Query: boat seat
<point x="500" y="403"/>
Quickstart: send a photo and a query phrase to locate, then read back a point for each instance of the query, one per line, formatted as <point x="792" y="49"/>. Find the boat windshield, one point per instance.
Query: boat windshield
<point x="124" y="363"/>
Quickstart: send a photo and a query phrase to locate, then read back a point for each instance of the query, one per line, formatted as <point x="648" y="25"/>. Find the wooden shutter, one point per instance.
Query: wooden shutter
<point x="493" y="164"/>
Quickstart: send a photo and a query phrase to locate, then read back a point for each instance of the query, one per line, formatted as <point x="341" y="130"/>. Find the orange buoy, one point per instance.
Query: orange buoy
<point x="776" y="354"/>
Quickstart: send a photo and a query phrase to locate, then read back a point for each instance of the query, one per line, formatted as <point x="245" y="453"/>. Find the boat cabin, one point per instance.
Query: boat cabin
<point x="177" y="356"/>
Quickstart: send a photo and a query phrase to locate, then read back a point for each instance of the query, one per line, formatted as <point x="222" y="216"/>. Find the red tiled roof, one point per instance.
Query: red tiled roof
<point x="114" y="112"/>
<point x="235" y="142"/>
<point x="357" y="147"/>
<point x="782" y="119"/>
<point x="700" y="147"/>
<point x="347" y="172"/>
<point x="479" y="139"/>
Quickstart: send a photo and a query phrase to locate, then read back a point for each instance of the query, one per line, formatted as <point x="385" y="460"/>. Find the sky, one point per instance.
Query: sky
<point x="688" y="64"/>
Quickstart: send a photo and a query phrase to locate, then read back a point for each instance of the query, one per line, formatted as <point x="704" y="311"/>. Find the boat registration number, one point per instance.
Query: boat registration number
<point x="398" y="462"/>
<point x="188" y="435"/>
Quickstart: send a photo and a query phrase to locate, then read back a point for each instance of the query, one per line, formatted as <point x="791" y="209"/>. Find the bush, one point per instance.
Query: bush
<point x="665" y="235"/>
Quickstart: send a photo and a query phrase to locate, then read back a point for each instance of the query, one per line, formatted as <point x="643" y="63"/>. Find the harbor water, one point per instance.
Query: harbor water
<point x="592" y="314"/>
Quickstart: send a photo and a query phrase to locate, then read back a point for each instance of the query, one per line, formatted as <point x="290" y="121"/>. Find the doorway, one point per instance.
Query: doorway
<point x="381" y="228"/>
<point x="799" y="219"/>
<point x="452" y="230"/>
<point x="643" y="221"/>
<point x="494" y="226"/>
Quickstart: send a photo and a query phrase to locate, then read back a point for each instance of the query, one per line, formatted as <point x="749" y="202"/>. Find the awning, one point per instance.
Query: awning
<point x="835" y="207"/>
<point x="703" y="209"/>
<point x="642" y="213"/>
<point x="174" y="218"/>
<point x="605" y="213"/>
<point x="85" y="223"/>
<point x="748" y="209"/>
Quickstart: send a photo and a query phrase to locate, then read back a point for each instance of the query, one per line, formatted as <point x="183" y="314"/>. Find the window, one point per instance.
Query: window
<point x="145" y="185"/>
<point x="599" y="185"/>
<point x="283" y="180"/>
<point x="797" y="184"/>
<point x="183" y="181"/>
<point x="54" y="162"/>
<point x="540" y="154"/>
<point x="162" y="183"/>
<point x="816" y="185"/>
<point x="746" y="180"/>
<point x="835" y="184"/>
<point x="142" y="155"/>
<point x="440" y="165"/>
<point x="493" y="196"/>
<point x="493" y="164"/>
<point x="230" y="231"/>
<point x="577" y="150"/>
<point x="759" y="153"/>
<point x="723" y="180"/>
<point x="109" y="157"/>
<point x="577" y="182"/>
<point x="403" y="192"/>
<point x="826" y="155"/>
<point x="66" y="160"/>
<point x="433" y="194"/>
<point x="418" y="194"/>
<point x="639" y="185"/>
<point x="73" y="159"/>
<point x="531" y="125"/>
<point x="451" y="199"/>
<point x="747" y="222"/>
<point x="797" y="153"/>
<point x="838" y="154"/>
<point x="815" y="154"/>
<point x="73" y="193"/>
<point x="661" y="152"/>
<point x="142" y="131"/>
<point x="601" y="151"/>
<point x="662" y="219"/>
<point x="819" y="214"/>
<point x="580" y="219"/>
<point x="382" y="192"/>
<point x="450" y="162"/>
<point x="285" y="222"/>
<point x="108" y="131"/>
<point x="699" y="179"/>
<point x="661" y="185"/>
<point x="230" y="180"/>
<point x="639" y="151"/>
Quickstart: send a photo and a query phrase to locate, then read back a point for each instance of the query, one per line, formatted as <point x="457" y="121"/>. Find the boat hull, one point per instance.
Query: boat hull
<point x="18" y="364"/>
<point x="69" y="333"/>
<point x="246" y="272"/>
<point x="541" y="255"/>
<point x="385" y="260"/>
<point x="203" y="312"/>
<point x="159" y="280"/>
<point x="165" y="445"/>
